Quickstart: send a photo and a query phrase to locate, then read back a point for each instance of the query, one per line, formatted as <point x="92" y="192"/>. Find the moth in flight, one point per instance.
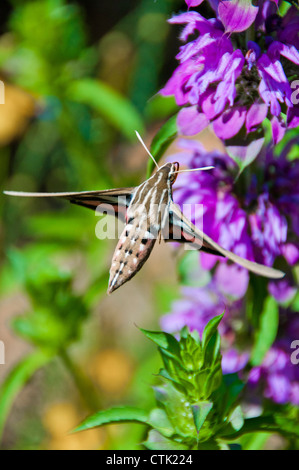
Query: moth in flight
<point x="149" y="213"/>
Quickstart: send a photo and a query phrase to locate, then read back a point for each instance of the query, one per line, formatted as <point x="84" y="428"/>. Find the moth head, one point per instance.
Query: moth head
<point x="173" y="173"/>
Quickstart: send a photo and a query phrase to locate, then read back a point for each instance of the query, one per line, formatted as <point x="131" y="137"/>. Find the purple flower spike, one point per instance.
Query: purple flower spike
<point x="237" y="15"/>
<point x="278" y="376"/>
<point x="231" y="87"/>
<point x="259" y="235"/>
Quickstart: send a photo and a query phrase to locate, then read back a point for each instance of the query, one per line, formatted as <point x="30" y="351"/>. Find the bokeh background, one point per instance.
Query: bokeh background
<point x="79" y="78"/>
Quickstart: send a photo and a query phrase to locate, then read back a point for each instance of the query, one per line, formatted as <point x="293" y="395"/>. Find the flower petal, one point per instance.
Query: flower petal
<point x="278" y="388"/>
<point x="282" y="291"/>
<point x="210" y="107"/>
<point x="255" y="116"/>
<point x="229" y="123"/>
<point x="176" y="84"/>
<point x="190" y="121"/>
<point x="289" y="52"/>
<point x="233" y="361"/>
<point x="291" y="253"/>
<point x="232" y="280"/>
<point x="193" y="3"/>
<point x="293" y="112"/>
<point x="237" y="15"/>
<point x="278" y="129"/>
<point x="274" y="85"/>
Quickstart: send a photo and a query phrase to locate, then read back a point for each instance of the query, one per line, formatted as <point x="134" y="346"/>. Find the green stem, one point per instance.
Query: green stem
<point x="85" y="386"/>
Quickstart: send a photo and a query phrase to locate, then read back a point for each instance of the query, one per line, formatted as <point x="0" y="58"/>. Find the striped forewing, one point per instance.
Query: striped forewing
<point x="111" y="201"/>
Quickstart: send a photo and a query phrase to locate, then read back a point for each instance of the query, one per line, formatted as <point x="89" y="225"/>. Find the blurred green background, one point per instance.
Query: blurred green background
<point x="79" y="78"/>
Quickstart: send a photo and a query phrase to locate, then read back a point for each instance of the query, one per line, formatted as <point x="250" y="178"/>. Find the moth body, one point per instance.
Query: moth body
<point x="145" y="217"/>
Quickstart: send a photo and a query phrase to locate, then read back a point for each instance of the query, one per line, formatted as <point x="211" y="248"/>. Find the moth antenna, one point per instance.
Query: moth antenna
<point x="196" y="169"/>
<point x="146" y="149"/>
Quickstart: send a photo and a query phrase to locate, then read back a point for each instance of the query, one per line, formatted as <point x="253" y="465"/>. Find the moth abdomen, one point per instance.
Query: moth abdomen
<point x="131" y="253"/>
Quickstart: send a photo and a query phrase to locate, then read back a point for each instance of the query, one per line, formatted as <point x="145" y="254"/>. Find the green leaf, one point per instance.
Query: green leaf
<point x="160" y="107"/>
<point x="228" y="392"/>
<point x="287" y="425"/>
<point x="156" y="441"/>
<point x="212" y="350"/>
<point x="200" y="379"/>
<point x="162" y="140"/>
<point x="273" y="423"/>
<point x="109" y="103"/>
<point x="236" y="418"/>
<point x="214" y="380"/>
<point x="114" y="415"/>
<point x="210" y="330"/>
<point x="16" y="380"/>
<point x="244" y="149"/>
<point x="212" y="445"/>
<point x="200" y="412"/>
<point x="179" y="386"/>
<point x="257" y="293"/>
<point x="255" y="441"/>
<point x="158" y="419"/>
<point x="164" y="341"/>
<point x="267" y="331"/>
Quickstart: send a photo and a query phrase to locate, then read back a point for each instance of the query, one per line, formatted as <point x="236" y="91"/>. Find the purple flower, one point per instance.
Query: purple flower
<point x="278" y="376"/>
<point x="235" y="88"/>
<point x="268" y="229"/>
<point x="233" y="361"/>
<point x="231" y="280"/>
<point x="282" y="291"/>
<point x="196" y="309"/>
<point x="236" y="15"/>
